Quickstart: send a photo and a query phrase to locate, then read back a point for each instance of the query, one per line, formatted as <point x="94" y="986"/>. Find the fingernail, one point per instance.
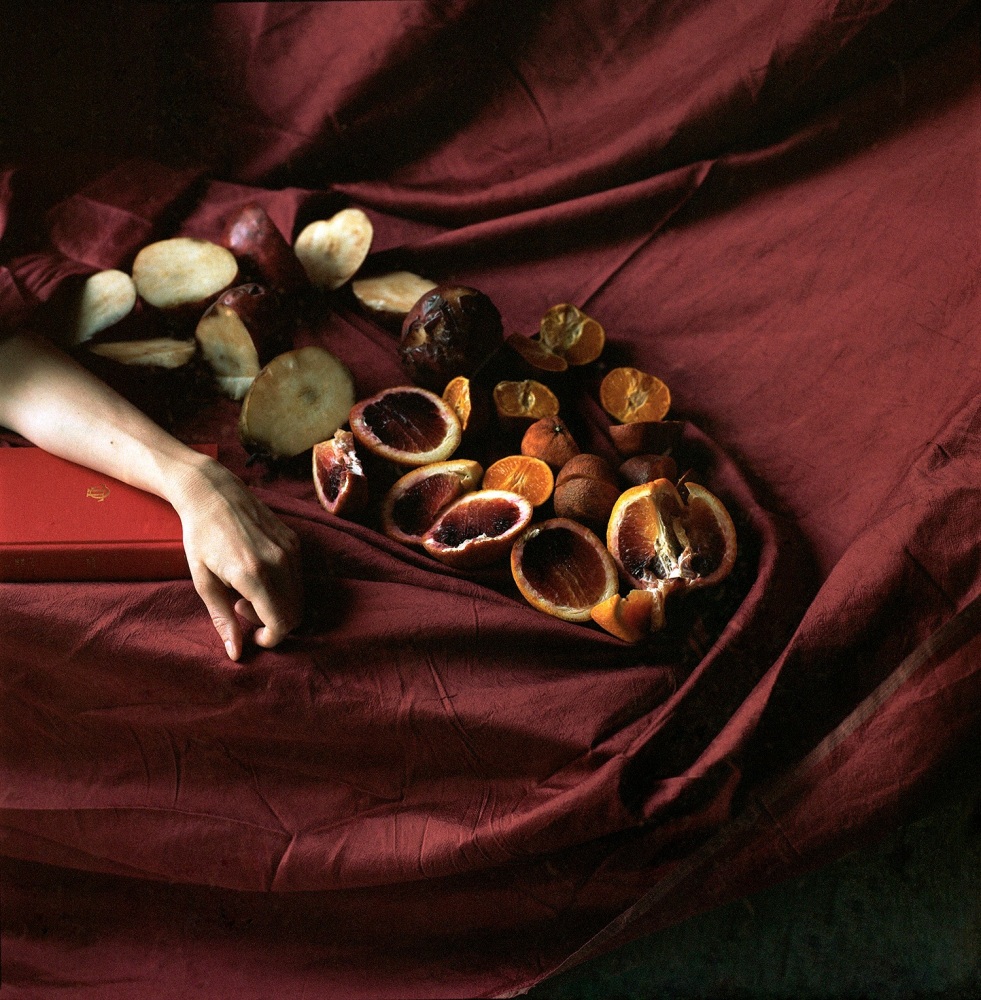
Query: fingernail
<point x="230" y="648"/>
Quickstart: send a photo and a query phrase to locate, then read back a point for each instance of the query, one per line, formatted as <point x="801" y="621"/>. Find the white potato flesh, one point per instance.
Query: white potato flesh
<point x="300" y="398"/>
<point x="159" y="352"/>
<point x="182" y="272"/>
<point x="228" y="348"/>
<point x="395" y="293"/>
<point x="106" y="298"/>
<point x="331" y="250"/>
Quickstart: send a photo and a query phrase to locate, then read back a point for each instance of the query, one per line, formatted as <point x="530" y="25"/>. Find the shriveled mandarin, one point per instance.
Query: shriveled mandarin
<point x="572" y="335"/>
<point x="563" y="569"/>
<point x="631" y="395"/>
<point x="531" y="477"/>
<point x="550" y="440"/>
<point x="527" y="400"/>
<point x="646" y="437"/>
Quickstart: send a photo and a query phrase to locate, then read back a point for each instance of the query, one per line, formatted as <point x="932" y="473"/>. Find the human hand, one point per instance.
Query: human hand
<point x="244" y="561"/>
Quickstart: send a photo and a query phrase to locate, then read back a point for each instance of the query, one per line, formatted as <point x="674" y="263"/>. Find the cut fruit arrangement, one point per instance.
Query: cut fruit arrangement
<point x="588" y="538"/>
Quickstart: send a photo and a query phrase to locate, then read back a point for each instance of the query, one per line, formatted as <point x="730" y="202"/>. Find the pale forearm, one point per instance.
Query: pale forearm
<point x="241" y="557"/>
<point x="60" y="406"/>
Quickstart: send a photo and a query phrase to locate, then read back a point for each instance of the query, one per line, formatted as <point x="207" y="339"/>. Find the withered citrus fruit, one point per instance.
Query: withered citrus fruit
<point x="550" y="440"/>
<point x="536" y="354"/>
<point x="407" y="425"/>
<point x="530" y="477"/>
<point x="478" y="529"/>
<point x="414" y="502"/>
<point x="571" y="334"/>
<point x="338" y="476"/>
<point x="631" y="395"/>
<point x="662" y="541"/>
<point x="563" y="569"/>
<point x="526" y="400"/>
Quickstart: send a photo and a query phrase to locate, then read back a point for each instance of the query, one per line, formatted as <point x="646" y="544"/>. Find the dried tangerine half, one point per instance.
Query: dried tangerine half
<point x="408" y="425"/>
<point x="536" y="354"/>
<point x="527" y="400"/>
<point x="631" y="395"/>
<point x="478" y="529"/>
<point x="563" y="569"/>
<point x="663" y="542"/>
<point x="531" y="477"/>
<point x="338" y="476"/>
<point x="571" y="334"/>
<point x="414" y="502"/>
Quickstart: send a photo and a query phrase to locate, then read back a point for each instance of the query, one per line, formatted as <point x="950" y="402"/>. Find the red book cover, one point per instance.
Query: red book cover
<point x="61" y="521"/>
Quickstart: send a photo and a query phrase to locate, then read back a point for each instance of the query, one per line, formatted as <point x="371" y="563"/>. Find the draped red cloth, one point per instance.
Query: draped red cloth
<point x="433" y="790"/>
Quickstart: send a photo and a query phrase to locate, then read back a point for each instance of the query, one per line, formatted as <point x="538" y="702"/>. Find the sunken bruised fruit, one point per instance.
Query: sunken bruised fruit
<point x="452" y="330"/>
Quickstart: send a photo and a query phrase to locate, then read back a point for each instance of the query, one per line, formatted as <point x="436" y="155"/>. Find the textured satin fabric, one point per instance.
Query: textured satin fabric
<point x="433" y="789"/>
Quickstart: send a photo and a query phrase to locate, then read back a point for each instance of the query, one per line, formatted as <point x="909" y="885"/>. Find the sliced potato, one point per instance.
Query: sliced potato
<point x="331" y="250"/>
<point x="299" y="398"/>
<point x="183" y="273"/>
<point x="159" y="352"/>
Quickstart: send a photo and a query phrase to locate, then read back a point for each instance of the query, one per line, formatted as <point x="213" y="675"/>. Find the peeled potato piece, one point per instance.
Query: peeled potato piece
<point x="161" y="352"/>
<point x="331" y="250"/>
<point x="183" y="273"/>
<point x="106" y="298"/>
<point x="298" y="399"/>
<point x="391" y="294"/>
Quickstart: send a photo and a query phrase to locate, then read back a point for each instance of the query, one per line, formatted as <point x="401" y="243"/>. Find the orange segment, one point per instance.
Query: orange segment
<point x="530" y="477"/>
<point x="631" y="395"/>
<point x="628" y="618"/>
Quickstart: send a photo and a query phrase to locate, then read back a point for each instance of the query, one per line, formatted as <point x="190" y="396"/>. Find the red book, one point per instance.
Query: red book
<point x="61" y="521"/>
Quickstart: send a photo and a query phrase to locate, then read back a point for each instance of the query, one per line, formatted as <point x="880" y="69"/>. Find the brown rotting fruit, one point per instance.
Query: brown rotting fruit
<point x="646" y="468"/>
<point x="563" y="569"/>
<point x="646" y="437"/>
<point x="586" y="490"/>
<point x="452" y="330"/>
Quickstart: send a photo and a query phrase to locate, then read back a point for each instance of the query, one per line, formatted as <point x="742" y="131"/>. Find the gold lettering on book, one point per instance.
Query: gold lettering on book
<point x="98" y="493"/>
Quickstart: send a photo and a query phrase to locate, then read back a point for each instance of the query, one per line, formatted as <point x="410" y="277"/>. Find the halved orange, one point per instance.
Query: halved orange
<point x="563" y="569"/>
<point x="531" y="477"/>
<point x="571" y="334"/>
<point x="478" y="529"/>
<point x="526" y="400"/>
<point x="661" y="541"/>
<point x="407" y="425"/>
<point x="414" y="502"/>
<point x="534" y="353"/>
<point x="631" y="395"/>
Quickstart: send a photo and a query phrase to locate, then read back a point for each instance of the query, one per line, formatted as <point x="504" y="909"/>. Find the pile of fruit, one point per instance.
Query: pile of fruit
<point x="586" y="539"/>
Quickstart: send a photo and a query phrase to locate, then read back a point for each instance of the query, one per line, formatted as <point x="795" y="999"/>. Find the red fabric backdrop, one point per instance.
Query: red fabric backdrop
<point x="432" y="789"/>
